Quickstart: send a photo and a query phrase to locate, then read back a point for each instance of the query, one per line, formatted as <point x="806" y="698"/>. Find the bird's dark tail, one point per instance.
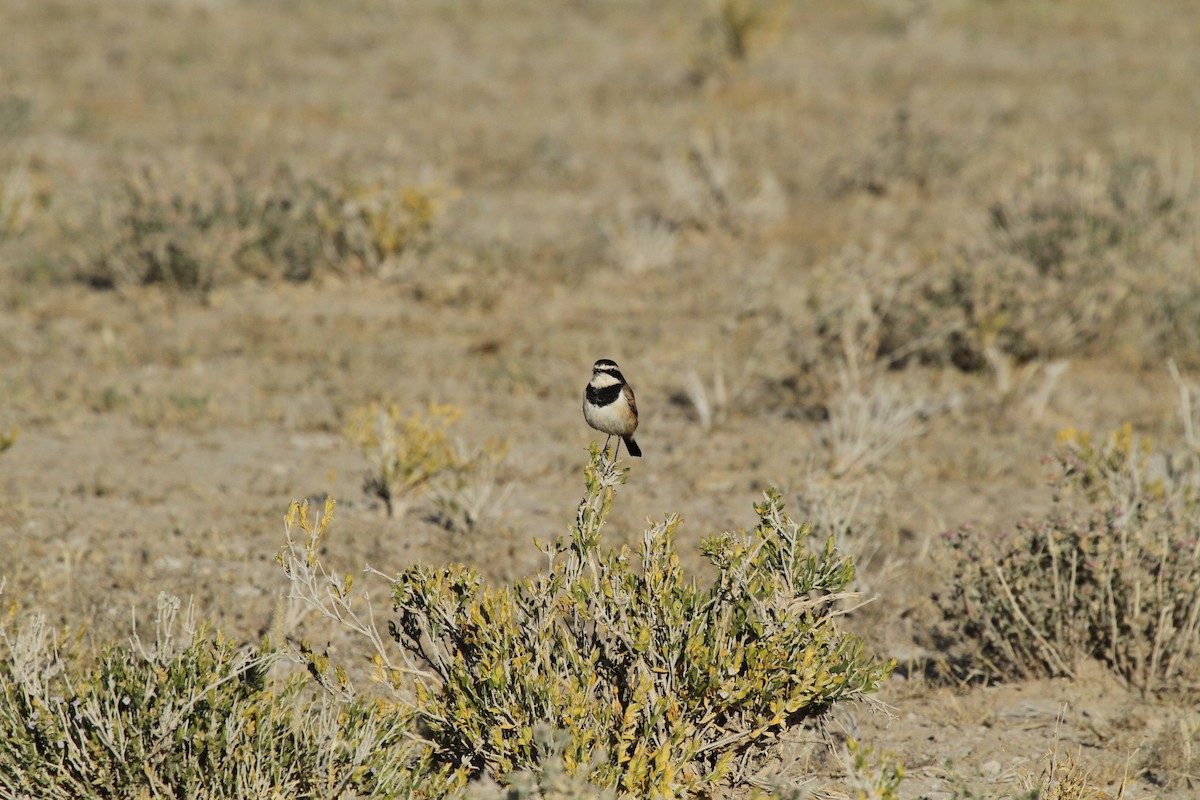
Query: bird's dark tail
<point x="632" y="446"/>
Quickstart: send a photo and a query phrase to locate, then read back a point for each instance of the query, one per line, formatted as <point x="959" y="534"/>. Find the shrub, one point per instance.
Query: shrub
<point x="731" y="31"/>
<point x="18" y="200"/>
<point x="868" y="776"/>
<point x="381" y="222"/>
<point x="474" y="496"/>
<point x="1073" y="250"/>
<point x="191" y="716"/>
<point x="667" y="678"/>
<point x="710" y="190"/>
<point x="8" y="438"/>
<point x="1113" y="572"/>
<point x="641" y="241"/>
<point x="195" y="226"/>
<point x="1073" y="256"/>
<point x="864" y="427"/>
<point x="902" y="150"/>
<point x="550" y="780"/>
<point x="871" y="775"/>
<point x="405" y="453"/>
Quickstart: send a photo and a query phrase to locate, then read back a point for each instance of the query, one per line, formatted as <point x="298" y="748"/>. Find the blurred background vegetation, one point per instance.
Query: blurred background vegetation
<point x="874" y="253"/>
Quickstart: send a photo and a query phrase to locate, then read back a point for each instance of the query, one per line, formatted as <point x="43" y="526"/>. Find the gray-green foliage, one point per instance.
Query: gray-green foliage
<point x="549" y="779"/>
<point x="1075" y="249"/>
<point x="194" y="227"/>
<point x="653" y="681"/>
<point x="189" y="717"/>
<point x="667" y="677"/>
<point x="1112" y="572"/>
<point x="1074" y="255"/>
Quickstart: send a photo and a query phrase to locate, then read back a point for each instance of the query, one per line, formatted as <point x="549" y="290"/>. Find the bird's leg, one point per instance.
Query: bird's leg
<point x="616" y="450"/>
<point x="606" y="441"/>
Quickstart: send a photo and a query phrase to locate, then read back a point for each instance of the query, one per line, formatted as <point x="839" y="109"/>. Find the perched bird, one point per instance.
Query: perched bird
<point x="609" y="407"/>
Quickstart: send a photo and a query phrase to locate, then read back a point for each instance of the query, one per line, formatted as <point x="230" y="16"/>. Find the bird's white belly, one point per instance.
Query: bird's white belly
<point x="614" y="418"/>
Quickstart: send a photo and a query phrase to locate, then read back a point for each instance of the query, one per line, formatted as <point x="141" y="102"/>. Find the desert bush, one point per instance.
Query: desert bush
<point x="710" y="189"/>
<point x="869" y="775"/>
<point x="17" y="200"/>
<point x="872" y="775"/>
<point x="473" y="496"/>
<point x="194" y="226"/>
<point x="902" y="150"/>
<point x="1068" y="215"/>
<point x="1112" y="572"/>
<point x="184" y="231"/>
<point x="667" y="678"/>
<point x="191" y="715"/>
<point x="551" y="779"/>
<point x="641" y="241"/>
<point x="865" y="426"/>
<point x="708" y="406"/>
<point x="1073" y="251"/>
<point x="381" y="222"/>
<point x="864" y="310"/>
<point x="1074" y="255"/>
<point x="405" y="453"/>
<point x="855" y="512"/>
<point x="1065" y="776"/>
<point x="731" y="31"/>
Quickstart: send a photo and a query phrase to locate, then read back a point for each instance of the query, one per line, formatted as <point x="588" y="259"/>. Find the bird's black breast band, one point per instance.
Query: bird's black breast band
<point x="605" y="396"/>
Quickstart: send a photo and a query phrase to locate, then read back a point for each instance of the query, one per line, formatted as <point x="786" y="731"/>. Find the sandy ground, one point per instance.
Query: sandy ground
<point x="163" y="435"/>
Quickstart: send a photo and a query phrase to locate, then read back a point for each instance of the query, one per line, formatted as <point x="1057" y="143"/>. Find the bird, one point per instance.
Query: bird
<point x="609" y="406"/>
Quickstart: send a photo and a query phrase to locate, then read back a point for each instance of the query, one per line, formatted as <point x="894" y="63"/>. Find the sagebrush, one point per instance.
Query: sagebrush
<point x="1112" y="572"/>
<point x="667" y="678"/>
<point x="193" y="226"/>
<point x="406" y="452"/>
<point x="1069" y="256"/>
<point x="192" y="715"/>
